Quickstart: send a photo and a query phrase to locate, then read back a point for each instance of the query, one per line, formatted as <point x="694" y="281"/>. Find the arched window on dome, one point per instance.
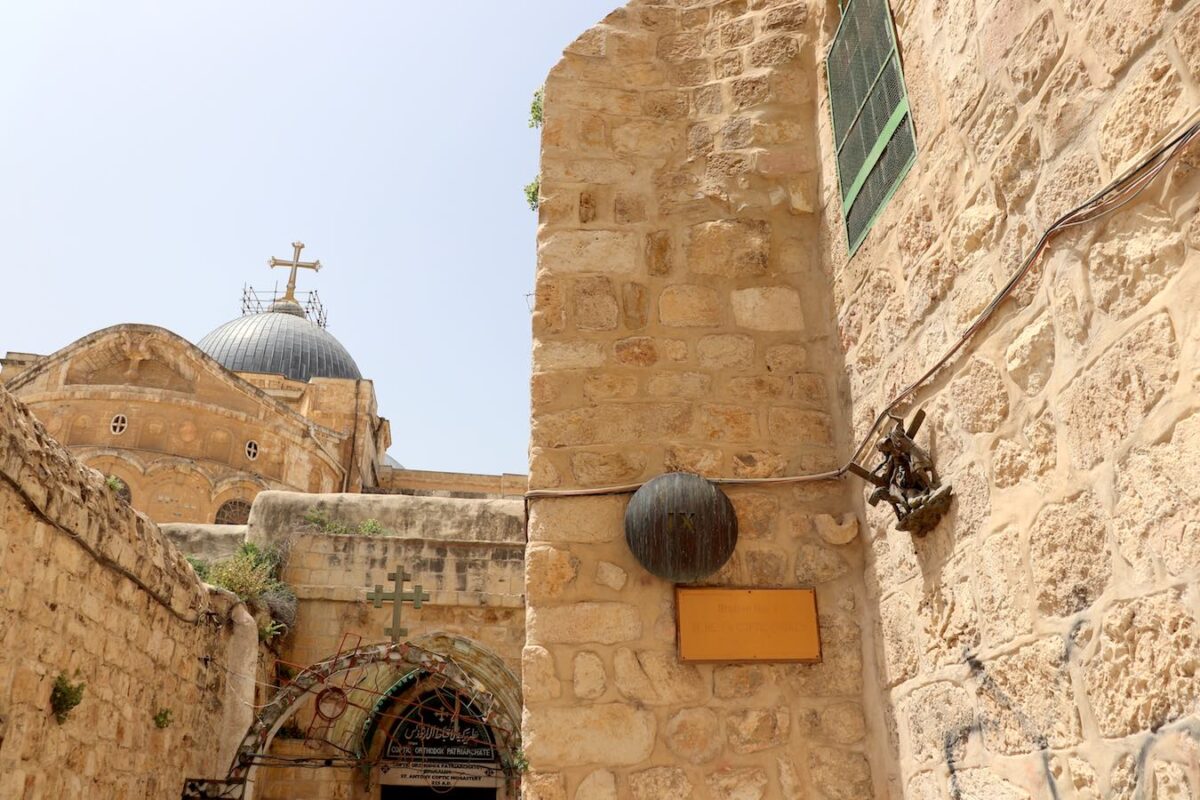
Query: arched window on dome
<point x="233" y="512"/>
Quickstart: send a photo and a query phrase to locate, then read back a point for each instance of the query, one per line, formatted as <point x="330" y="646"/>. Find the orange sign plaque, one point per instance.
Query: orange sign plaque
<point x="748" y="625"/>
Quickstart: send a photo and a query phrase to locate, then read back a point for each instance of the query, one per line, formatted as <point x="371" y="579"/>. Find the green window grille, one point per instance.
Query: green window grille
<point x="872" y="128"/>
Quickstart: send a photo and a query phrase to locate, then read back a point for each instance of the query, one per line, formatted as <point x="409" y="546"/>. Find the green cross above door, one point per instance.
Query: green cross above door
<point x="398" y="596"/>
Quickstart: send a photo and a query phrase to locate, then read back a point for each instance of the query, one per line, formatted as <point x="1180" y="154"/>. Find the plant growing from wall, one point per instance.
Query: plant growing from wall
<point x="321" y="521"/>
<point x="253" y="574"/>
<point x="370" y="527"/>
<point x="535" y="107"/>
<point x="65" y="696"/>
<point x="533" y="193"/>
<point x="115" y="484"/>
<point x="270" y="629"/>
<point x="517" y="761"/>
<point x="162" y="719"/>
<point x="533" y="189"/>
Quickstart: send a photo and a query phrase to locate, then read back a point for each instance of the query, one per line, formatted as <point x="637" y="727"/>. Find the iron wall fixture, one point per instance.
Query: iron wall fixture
<point x="681" y="527"/>
<point x="907" y="479"/>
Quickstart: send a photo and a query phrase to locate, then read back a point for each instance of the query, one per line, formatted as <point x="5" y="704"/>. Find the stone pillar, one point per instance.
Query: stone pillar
<point x="683" y="322"/>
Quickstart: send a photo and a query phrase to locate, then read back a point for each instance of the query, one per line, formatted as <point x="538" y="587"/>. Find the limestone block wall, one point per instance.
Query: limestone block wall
<point x="94" y="591"/>
<point x="683" y="321"/>
<point x="1042" y="641"/>
<point x="468" y="554"/>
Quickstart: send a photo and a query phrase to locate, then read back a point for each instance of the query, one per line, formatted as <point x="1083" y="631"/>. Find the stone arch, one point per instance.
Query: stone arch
<point x="394" y="662"/>
<point x="178" y="490"/>
<point x="482" y="665"/>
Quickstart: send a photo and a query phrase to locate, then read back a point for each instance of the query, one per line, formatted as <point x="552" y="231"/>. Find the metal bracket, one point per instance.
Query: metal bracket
<point x="907" y="479"/>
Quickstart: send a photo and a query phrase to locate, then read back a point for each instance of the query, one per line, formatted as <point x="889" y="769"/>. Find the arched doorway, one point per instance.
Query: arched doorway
<point x="431" y="740"/>
<point x="435" y="741"/>
<point x="356" y="703"/>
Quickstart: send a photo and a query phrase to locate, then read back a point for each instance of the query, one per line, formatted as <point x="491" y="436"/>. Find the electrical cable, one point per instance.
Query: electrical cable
<point x="1126" y="188"/>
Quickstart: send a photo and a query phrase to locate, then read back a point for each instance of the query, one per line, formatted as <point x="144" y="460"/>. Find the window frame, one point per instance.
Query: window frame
<point x="902" y="113"/>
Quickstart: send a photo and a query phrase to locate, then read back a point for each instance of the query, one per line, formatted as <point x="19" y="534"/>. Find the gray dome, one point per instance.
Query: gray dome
<point x="279" y="342"/>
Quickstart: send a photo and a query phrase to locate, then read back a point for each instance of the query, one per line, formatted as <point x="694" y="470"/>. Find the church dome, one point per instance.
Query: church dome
<point x="280" y="342"/>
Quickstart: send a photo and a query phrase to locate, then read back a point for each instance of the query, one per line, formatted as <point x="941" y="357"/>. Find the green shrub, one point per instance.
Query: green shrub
<point x="163" y="718"/>
<point x="244" y="575"/>
<point x="252" y="573"/>
<point x="321" y="521"/>
<point x="200" y="566"/>
<point x="533" y="193"/>
<point x="65" y="696"/>
<point x="535" y="108"/>
<point x="370" y="527"/>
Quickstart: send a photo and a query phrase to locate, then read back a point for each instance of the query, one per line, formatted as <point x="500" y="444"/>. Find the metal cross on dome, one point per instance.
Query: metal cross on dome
<point x="295" y="265"/>
<point x="398" y="596"/>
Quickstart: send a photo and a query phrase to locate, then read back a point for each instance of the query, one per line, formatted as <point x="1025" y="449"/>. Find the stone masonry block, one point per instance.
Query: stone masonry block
<point x="1142" y="675"/>
<point x="687" y="306"/>
<point x="734" y="248"/>
<point x="1070" y="555"/>
<point x="694" y="734"/>
<point x="1142" y="113"/>
<point x="589" y="251"/>
<point x="610" y="734"/>
<point x="1113" y="394"/>
<point x="768" y="308"/>
<point x="1026" y="700"/>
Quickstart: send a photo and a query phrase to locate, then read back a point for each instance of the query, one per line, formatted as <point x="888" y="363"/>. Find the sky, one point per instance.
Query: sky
<point x="154" y="155"/>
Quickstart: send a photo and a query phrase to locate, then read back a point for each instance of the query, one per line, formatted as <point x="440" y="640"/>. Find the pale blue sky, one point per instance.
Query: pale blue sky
<point x="153" y="155"/>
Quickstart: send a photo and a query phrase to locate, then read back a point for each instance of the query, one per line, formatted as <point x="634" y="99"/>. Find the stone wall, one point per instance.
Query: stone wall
<point x="683" y="321"/>
<point x="1042" y="641"/>
<point x="95" y="592"/>
<point x="468" y="554"/>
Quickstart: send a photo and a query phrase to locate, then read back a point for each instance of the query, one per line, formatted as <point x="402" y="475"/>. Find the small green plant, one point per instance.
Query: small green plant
<point x="321" y="521"/>
<point x="114" y="483"/>
<point x="163" y="718"/>
<point x="269" y="629"/>
<point x="65" y="696"/>
<point x="517" y="762"/>
<point x="200" y="566"/>
<point x="535" y="108"/>
<point x="318" y="519"/>
<point x="370" y="527"/>
<point x="533" y="193"/>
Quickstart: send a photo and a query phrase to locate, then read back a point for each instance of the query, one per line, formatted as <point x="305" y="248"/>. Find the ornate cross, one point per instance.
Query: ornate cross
<point x="398" y="596"/>
<point x="295" y="264"/>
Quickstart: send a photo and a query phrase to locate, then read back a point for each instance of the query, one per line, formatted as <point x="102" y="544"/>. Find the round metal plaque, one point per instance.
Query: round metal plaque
<point x="681" y="527"/>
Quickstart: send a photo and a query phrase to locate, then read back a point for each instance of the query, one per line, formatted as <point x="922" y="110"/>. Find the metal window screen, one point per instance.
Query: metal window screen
<point x="872" y="128"/>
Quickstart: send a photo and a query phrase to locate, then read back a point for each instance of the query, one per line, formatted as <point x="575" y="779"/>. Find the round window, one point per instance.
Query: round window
<point x="118" y="424"/>
<point x="251" y="449"/>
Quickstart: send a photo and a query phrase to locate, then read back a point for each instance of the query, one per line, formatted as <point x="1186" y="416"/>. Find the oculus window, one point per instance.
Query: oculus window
<point x="873" y="133"/>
